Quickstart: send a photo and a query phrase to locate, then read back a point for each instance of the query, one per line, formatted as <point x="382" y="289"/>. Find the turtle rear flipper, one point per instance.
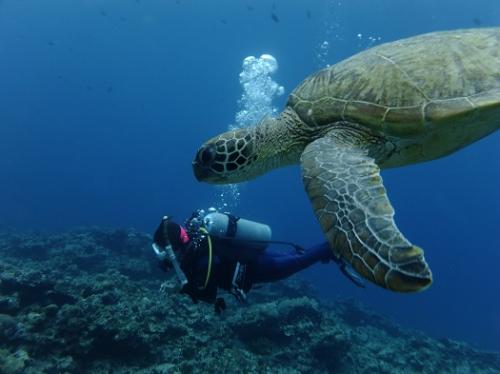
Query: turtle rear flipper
<point x="350" y="202"/>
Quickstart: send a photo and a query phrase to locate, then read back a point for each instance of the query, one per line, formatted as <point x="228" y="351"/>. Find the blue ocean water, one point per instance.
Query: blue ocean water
<point x="104" y="103"/>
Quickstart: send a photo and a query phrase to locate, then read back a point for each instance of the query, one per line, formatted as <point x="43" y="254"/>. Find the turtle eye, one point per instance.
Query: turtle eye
<point x="206" y="155"/>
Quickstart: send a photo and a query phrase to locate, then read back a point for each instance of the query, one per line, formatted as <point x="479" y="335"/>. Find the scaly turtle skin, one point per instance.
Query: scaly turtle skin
<point x="399" y="103"/>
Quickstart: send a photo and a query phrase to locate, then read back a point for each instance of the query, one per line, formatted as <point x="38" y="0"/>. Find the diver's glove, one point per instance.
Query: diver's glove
<point x="161" y="235"/>
<point x="219" y="305"/>
<point x="165" y="265"/>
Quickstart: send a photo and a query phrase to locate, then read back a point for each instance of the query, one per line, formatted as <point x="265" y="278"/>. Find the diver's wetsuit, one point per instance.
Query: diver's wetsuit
<point x="267" y="266"/>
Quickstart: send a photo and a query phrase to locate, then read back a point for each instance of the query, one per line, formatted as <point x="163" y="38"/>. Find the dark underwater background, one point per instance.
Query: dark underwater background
<point x="103" y="105"/>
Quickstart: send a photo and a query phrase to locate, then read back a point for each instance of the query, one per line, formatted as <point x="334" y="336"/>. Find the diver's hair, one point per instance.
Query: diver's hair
<point x="174" y="234"/>
<point x="168" y="233"/>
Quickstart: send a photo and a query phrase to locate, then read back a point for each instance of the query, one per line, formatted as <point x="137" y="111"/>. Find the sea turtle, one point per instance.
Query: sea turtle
<point x="395" y="104"/>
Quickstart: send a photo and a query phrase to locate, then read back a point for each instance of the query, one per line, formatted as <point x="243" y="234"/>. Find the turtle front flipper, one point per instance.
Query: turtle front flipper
<point x="344" y="185"/>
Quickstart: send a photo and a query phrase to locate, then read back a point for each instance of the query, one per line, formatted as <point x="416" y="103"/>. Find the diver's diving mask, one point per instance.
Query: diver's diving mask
<point x="167" y="253"/>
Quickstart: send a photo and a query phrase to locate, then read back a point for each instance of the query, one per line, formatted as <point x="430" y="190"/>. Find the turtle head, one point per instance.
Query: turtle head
<point x="227" y="158"/>
<point x="243" y="154"/>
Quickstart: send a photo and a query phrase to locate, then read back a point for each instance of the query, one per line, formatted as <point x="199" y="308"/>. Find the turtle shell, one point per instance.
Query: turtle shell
<point x="409" y="86"/>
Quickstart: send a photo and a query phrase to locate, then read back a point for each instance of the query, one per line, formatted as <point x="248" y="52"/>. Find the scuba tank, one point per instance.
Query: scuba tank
<point x="236" y="238"/>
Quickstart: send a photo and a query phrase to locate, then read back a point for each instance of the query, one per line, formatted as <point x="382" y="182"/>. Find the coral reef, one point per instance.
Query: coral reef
<point x="89" y="301"/>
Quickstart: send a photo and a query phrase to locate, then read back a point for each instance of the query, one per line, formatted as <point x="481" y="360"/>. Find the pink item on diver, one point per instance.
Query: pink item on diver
<point x="184" y="236"/>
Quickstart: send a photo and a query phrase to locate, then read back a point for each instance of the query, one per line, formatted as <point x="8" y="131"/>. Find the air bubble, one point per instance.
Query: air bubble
<point x="255" y="103"/>
<point x="259" y="90"/>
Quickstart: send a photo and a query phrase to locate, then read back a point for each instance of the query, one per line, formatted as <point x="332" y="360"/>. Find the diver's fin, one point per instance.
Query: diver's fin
<point x="349" y="273"/>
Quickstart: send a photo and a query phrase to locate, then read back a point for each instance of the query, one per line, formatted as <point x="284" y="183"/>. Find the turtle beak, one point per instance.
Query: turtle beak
<point x="200" y="173"/>
<point x="203" y="162"/>
<point x="205" y="174"/>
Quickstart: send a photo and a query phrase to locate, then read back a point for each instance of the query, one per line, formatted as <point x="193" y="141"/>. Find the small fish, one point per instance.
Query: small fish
<point x="250" y="7"/>
<point x="123" y="19"/>
<point x="477" y="21"/>
<point x="104" y="13"/>
<point x="110" y="89"/>
<point x="275" y="18"/>
<point x="51" y="43"/>
<point x="223" y="21"/>
<point x="308" y="14"/>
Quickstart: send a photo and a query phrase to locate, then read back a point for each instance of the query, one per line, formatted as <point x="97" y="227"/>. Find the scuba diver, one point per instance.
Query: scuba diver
<point x="219" y="250"/>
